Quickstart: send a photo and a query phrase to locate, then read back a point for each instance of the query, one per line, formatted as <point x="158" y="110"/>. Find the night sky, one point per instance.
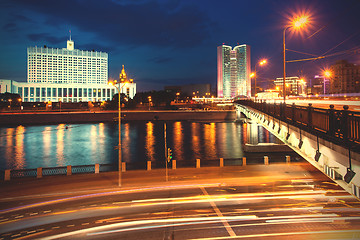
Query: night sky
<point x="164" y="42"/>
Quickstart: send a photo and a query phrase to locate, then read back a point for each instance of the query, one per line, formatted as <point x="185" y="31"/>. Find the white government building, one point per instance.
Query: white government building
<point x="67" y="75"/>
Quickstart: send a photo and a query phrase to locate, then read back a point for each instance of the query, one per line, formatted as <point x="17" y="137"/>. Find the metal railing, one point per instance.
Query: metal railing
<point x="339" y="126"/>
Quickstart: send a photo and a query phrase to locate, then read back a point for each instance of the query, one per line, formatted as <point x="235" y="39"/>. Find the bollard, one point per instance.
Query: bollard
<point x="197" y="163"/>
<point x="244" y="161"/>
<point x="221" y="162"/>
<point x="148" y="165"/>
<point x="7" y="174"/>
<point x="123" y="166"/>
<point x="68" y="170"/>
<point x="173" y="164"/>
<point x="39" y="172"/>
<point x="266" y="160"/>
<point x="287" y="159"/>
<point x="97" y="168"/>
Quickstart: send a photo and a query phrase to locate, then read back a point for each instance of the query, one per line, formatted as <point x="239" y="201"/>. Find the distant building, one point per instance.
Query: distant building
<point x="319" y="85"/>
<point x="67" y="75"/>
<point x="345" y="77"/>
<point x="192" y="90"/>
<point x="293" y="85"/>
<point x="233" y="75"/>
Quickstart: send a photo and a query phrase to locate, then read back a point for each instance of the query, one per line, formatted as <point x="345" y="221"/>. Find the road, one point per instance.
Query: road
<point x="354" y="105"/>
<point x="278" y="201"/>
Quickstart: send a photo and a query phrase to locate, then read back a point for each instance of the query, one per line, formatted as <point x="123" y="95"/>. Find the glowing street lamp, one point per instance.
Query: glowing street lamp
<point x="149" y="98"/>
<point x="119" y="110"/>
<point x="10" y="100"/>
<point x="261" y="63"/>
<point x="327" y="73"/>
<point x="20" y="100"/>
<point x="297" y="23"/>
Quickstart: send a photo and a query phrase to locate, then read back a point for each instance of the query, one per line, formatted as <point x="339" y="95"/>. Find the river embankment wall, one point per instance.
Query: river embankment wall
<point x="7" y="119"/>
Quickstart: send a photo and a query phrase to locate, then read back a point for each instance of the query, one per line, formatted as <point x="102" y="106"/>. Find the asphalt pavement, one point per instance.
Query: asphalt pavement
<point x="276" y="201"/>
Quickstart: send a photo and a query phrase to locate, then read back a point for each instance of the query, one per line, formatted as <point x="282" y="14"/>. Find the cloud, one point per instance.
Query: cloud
<point x="95" y="46"/>
<point x="137" y="23"/>
<point x="37" y="37"/>
<point x="10" y="27"/>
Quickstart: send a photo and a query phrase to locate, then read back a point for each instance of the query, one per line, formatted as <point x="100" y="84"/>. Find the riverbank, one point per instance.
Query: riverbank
<point x="7" y="119"/>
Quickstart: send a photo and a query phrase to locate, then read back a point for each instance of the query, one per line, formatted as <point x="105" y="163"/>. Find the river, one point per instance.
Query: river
<point x="27" y="147"/>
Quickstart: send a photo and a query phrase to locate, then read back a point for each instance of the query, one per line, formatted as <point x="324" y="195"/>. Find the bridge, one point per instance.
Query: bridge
<point x="329" y="139"/>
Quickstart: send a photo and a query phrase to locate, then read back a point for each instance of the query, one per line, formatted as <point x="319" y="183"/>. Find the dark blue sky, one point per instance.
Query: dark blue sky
<point x="165" y="42"/>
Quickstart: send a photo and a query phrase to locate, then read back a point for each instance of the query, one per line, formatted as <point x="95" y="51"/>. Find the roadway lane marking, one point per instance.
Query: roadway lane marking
<point x="220" y="215"/>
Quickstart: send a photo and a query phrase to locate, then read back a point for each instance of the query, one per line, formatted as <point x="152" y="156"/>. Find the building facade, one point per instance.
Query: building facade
<point x="293" y="85"/>
<point x="345" y="78"/>
<point x="67" y="75"/>
<point x="233" y="75"/>
<point x="319" y="85"/>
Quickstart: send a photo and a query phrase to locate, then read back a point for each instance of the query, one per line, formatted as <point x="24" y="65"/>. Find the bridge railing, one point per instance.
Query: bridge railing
<point x="340" y="126"/>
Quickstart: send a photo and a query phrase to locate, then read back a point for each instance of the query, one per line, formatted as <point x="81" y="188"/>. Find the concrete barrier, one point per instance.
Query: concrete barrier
<point x="221" y="162"/>
<point x="173" y="164"/>
<point x="39" y="172"/>
<point x="244" y="161"/>
<point x="68" y="170"/>
<point x="266" y="160"/>
<point x="97" y="168"/>
<point x="148" y="165"/>
<point x="123" y="166"/>
<point x="7" y="174"/>
<point x="197" y="163"/>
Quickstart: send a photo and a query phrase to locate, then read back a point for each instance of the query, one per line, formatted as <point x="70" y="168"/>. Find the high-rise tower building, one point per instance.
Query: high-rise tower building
<point x="233" y="71"/>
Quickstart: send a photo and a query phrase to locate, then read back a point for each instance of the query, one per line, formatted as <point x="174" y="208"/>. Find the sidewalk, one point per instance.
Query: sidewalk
<point x="107" y="181"/>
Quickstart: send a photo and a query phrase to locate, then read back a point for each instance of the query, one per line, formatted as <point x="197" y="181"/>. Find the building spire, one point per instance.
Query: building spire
<point x="122" y="75"/>
<point x="70" y="43"/>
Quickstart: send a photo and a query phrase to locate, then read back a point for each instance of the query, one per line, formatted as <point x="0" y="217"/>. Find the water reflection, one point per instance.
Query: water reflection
<point x="19" y="147"/>
<point x="178" y="141"/>
<point x="47" y="144"/>
<point x="9" y="145"/>
<point x="150" y="141"/>
<point x="195" y="140"/>
<point x="210" y="137"/>
<point x="126" y="141"/>
<point x="61" y="145"/>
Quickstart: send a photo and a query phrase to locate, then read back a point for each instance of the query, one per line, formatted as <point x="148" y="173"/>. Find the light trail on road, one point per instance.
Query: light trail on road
<point x="226" y="209"/>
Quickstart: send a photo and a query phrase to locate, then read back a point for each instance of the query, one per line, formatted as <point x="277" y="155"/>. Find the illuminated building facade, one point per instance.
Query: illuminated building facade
<point x="345" y="77"/>
<point x="293" y="85"/>
<point x="319" y="85"/>
<point x="233" y="75"/>
<point x="67" y="75"/>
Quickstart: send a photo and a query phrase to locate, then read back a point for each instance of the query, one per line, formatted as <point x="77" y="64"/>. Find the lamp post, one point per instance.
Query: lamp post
<point x="296" y="23"/>
<point x="149" y="100"/>
<point x="261" y="63"/>
<point x="119" y="110"/>
<point x="10" y="100"/>
<point x="20" y="100"/>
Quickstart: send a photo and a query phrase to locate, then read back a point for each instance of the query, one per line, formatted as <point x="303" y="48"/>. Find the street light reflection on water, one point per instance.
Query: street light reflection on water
<point x="86" y="144"/>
